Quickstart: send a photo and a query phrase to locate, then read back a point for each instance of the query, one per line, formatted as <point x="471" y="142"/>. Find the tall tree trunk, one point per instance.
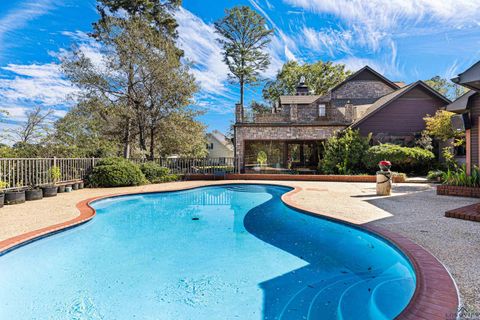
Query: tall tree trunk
<point x="128" y="129"/>
<point x="141" y="135"/>
<point x="241" y="92"/>
<point x="152" y="144"/>
<point x="126" y="141"/>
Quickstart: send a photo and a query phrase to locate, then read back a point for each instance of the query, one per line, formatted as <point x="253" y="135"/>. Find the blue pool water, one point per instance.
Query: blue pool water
<point x="223" y="252"/>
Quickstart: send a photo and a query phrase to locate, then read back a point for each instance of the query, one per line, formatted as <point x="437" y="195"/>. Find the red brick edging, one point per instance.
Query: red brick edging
<point x="471" y="212"/>
<point x="435" y="294"/>
<point x="459" y="191"/>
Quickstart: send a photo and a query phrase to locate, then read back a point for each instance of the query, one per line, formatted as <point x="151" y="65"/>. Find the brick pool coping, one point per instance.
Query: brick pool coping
<point x="435" y="295"/>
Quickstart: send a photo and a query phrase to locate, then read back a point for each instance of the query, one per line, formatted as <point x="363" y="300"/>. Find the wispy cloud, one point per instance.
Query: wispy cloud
<point x="32" y="85"/>
<point x="20" y="16"/>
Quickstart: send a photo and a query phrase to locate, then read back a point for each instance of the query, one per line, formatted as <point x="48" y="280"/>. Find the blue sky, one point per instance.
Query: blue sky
<point x="405" y="40"/>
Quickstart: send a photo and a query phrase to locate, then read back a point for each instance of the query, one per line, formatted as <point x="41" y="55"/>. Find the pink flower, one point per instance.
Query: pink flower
<point x="385" y="163"/>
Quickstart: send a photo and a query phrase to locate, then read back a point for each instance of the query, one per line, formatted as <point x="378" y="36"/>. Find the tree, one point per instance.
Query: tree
<point x="33" y="129"/>
<point x="123" y="31"/>
<point x="259" y="108"/>
<point x="446" y="87"/>
<point x="345" y="152"/>
<point x="87" y="130"/>
<point x="440" y="126"/>
<point x="141" y="82"/>
<point x="244" y="38"/>
<point x="319" y="77"/>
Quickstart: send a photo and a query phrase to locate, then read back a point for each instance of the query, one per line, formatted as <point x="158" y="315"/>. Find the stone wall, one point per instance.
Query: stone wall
<point x="360" y="92"/>
<point x="292" y="132"/>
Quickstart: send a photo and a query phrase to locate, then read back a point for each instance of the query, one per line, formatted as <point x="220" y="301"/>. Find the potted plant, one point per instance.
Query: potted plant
<point x="15" y="196"/>
<point x="61" y="188"/>
<point x="51" y="189"/>
<point x="33" y="193"/>
<point x="385" y="165"/>
<point x="3" y="186"/>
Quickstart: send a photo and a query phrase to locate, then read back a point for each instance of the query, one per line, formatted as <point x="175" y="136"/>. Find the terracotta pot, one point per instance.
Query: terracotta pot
<point x="15" y="197"/>
<point x="49" y="191"/>
<point x="33" y="194"/>
<point x="2" y="199"/>
<point x="61" y="189"/>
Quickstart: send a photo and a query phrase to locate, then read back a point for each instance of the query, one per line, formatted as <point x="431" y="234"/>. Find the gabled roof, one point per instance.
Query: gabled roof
<point x="470" y="78"/>
<point x="389" y="98"/>
<point x="302" y="99"/>
<point x="221" y="138"/>
<point x="367" y="69"/>
<point x="461" y="104"/>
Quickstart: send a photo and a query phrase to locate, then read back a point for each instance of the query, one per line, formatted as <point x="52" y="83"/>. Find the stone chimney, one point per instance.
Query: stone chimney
<point x="302" y="88"/>
<point x="238" y="113"/>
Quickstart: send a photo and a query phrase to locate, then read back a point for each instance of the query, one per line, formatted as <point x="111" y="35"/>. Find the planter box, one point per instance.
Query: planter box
<point x="14" y="197"/>
<point x="445" y="190"/>
<point x="34" y="194"/>
<point x="49" y="191"/>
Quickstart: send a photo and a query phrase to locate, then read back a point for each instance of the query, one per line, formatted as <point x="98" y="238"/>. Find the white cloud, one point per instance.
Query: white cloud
<point x="21" y="15"/>
<point x="36" y="83"/>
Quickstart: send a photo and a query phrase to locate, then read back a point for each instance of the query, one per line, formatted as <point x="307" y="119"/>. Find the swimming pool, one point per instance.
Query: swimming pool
<point x="222" y="252"/>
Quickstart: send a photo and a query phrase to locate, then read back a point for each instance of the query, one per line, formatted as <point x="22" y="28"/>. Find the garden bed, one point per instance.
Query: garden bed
<point x="291" y="177"/>
<point x="458" y="191"/>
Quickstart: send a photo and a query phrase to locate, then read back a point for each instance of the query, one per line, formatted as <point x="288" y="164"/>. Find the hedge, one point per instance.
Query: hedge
<point x="116" y="172"/>
<point x="403" y="159"/>
<point x="154" y="172"/>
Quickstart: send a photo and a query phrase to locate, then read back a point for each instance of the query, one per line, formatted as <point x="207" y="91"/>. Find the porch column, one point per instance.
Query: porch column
<point x="468" y="147"/>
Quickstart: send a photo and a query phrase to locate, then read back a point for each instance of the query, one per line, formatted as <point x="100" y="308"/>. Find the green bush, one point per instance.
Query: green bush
<point x="345" y="153"/>
<point x="170" y="178"/>
<point x="459" y="177"/>
<point x="404" y="159"/>
<point x="435" y="174"/>
<point x="116" y="172"/>
<point x="154" y="172"/>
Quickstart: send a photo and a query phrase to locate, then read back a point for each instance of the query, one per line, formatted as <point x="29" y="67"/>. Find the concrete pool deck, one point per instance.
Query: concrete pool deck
<point x="414" y="211"/>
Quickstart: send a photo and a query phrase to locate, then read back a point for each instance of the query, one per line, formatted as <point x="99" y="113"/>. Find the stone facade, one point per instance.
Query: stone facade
<point x="359" y="92"/>
<point x="297" y="118"/>
<point x="286" y="132"/>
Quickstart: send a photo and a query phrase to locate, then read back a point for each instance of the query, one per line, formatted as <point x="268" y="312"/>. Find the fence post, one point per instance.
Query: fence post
<point x="93" y="162"/>
<point x="54" y="161"/>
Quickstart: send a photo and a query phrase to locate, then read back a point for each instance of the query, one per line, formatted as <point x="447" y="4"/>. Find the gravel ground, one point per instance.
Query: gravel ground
<point x="418" y="214"/>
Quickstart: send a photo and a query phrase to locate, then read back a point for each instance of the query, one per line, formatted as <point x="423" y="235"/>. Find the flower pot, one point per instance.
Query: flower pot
<point x="49" y="191"/>
<point x="15" y="197"/>
<point x="33" y="194"/>
<point x="61" y="189"/>
<point x="2" y="199"/>
<point x="68" y="188"/>
<point x="75" y="186"/>
<point x="81" y="185"/>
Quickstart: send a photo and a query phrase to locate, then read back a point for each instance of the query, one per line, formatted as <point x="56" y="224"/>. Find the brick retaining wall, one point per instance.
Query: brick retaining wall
<point x="445" y="190"/>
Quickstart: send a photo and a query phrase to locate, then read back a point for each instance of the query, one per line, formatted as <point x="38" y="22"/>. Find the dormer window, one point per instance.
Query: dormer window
<point x="322" y="111"/>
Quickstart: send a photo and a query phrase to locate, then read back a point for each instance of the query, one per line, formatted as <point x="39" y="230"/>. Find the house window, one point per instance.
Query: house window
<point x="322" y="110"/>
<point x="209" y="146"/>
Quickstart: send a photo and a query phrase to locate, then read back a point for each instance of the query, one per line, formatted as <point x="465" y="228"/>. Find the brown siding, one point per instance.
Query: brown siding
<point x="474" y="114"/>
<point x="404" y="115"/>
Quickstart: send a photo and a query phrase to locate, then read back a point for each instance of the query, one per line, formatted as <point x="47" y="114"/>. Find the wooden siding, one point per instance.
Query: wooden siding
<point x="474" y="117"/>
<point x="403" y="116"/>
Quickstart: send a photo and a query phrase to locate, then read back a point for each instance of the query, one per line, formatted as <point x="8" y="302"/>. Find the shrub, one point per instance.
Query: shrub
<point x="3" y="185"/>
<point x="170" y="178"/>
<point x="460" y="177"/>
<point x="116" y="172"/>
<point x="55" y="174"/>
<point x="435" y="174"/>
<point x="404" y="159"/>
<point x="345" y="152"/>
<point x="154" y="172"/>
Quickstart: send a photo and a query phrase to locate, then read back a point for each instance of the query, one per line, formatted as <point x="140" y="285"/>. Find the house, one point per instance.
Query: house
<point x="218" y="145"/>
<point x="468" y="109"/>
<point x="291" y="135"/>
